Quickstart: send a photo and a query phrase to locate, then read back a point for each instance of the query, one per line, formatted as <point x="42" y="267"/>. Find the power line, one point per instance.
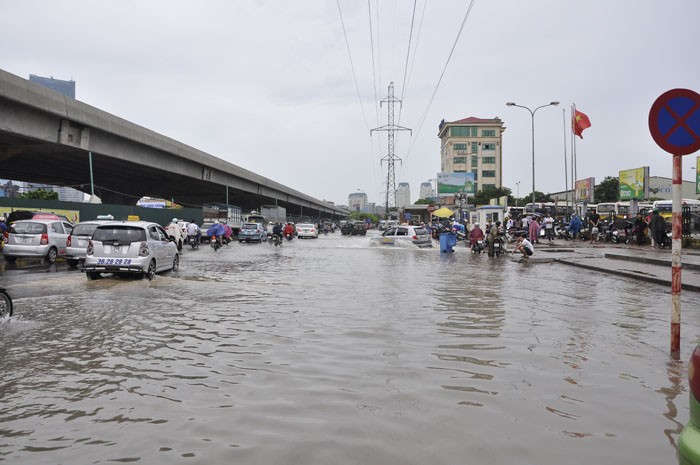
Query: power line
<point x="447" y="62"/>
<point x="374" y="70"/>
<point x="408" y="54"/>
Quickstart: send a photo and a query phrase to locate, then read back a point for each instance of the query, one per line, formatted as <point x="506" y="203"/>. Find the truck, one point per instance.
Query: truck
<point x="273" y="213"/>
<point x="220" y="212"/>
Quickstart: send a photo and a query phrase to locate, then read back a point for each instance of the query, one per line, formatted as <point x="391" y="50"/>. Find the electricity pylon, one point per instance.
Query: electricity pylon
<point x="390" y="128"/>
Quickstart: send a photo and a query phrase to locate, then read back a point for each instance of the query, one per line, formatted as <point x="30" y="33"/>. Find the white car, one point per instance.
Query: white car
<point x="37" y="239"/>
<point x="307" y="230"/>
<point x="77" y="241"/>
<point x="403" y="235"/>
<point x="130" y="247"/>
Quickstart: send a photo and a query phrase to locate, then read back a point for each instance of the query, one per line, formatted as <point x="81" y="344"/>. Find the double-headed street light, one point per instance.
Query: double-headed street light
<point x="532" y="113"/>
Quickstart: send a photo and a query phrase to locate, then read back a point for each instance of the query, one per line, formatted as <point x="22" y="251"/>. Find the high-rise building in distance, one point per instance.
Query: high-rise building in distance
<point x="403" y="195"/>
<point x="67" y="88"/>
<point x="357" y="202"/>
<point x="426" y="190"/>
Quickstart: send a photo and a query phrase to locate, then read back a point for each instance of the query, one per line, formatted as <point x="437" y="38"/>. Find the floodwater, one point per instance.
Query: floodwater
<point x="330" y="351"/>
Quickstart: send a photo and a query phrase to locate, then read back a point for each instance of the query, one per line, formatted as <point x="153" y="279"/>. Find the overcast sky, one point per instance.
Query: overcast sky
<point x="268" y="84"/>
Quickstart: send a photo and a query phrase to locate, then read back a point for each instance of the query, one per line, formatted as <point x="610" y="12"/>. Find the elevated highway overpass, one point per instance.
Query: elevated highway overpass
<point x="46" y="137"/>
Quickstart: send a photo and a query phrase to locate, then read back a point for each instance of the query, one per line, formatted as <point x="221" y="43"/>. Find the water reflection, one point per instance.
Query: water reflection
<point x="329" y="350"/>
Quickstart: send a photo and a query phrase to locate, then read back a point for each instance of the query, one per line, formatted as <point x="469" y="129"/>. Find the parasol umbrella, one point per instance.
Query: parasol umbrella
<point x="443" y="212"/>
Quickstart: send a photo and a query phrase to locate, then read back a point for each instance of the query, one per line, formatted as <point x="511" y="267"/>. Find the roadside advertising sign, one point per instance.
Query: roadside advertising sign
<point x="634" y="183"/>
<point x="454" y="183"/>
<point x="584" y="190"/>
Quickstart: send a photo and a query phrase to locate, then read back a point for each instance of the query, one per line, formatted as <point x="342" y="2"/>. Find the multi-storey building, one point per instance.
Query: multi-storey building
<point x="426" y="191"/>
<point x="67" y="88"/>
<point x="357" y="202"/>
<point x="473" y="145"/>
<point x="403" y="195"/>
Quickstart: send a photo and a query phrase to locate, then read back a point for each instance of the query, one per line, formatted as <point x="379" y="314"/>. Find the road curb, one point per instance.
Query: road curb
<point x="651" y="261"/>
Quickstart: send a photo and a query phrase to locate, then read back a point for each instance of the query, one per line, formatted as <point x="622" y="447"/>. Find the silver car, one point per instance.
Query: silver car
<point x="130" y="247"/>
<point x="404" y="235"/>
<point x="77" y="241"/>
<point x="37" y="239"/>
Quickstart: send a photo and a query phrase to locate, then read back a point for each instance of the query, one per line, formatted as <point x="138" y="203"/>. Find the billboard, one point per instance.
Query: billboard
<point x="454" y="183"/>
<point x="634" y="184"/>
<point x="584" y="190"/>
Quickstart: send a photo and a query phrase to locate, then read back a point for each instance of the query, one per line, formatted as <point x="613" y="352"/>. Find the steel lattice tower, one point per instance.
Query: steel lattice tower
<point x="390" y="128"/>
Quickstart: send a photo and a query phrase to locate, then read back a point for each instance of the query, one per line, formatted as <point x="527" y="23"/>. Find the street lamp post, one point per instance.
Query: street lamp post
<point x="532" y="114"/>
<point x="517" y="183"/>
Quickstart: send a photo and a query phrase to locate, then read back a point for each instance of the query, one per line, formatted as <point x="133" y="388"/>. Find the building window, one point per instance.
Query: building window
<point x="475" y="147"/>
<point x="488" y="173"/>
<point x="460" y="147"/>
<point x="488" y="133"/>
<point x="486" y="186"/>
<point x="475" y="162"/>
<point x="488" y="160"/>
<point x="463" y="131"/>
<point x="462" y="160"/>
<point x="476" y="175"/>
<point x="488" y="147"/>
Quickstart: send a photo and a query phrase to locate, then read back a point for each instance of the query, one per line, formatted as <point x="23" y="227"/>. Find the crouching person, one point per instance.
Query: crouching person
<point x="524" y="246"/>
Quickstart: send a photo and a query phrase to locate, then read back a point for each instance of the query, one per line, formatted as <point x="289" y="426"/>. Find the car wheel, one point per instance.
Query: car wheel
<point x="10" y="259"/>
<point x="51" y="256"/>
<point x="92" y="275"/>
<point x="151" y="272"/>
<point x="5" y="305"/>
<point x="72" y="262"/>
<point x="176" y="262"/>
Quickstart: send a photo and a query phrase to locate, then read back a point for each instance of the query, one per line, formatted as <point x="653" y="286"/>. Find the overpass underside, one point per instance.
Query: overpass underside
<point x="48" y="138"/>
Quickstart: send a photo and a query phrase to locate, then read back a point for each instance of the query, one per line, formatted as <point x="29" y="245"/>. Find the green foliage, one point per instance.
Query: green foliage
<point x="482" y="197"/>
<point x="361" y="216"/>
<point x="423" y="202"/>
<point x="608" y="190"/>
<point x="40" y="194"/>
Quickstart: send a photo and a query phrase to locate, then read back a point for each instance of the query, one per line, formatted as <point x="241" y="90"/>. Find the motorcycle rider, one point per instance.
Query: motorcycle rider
<point x="227" y="232"/>
<point x="657" y="227"/>
<point x="215" y="232"/>
<point x="475" y="235"/>
<point x="277" y="232"/>
<point x="193" y="233"/>
<point x="174" y="231"/>
<point x="492" y="237"/>
<point x="288" y="231"/>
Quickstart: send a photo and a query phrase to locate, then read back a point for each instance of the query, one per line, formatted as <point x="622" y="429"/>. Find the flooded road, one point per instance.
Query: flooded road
<point x="330" y="351"/>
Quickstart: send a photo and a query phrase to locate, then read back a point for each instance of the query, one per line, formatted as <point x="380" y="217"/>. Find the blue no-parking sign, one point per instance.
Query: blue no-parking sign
<point x="674" y="121"/>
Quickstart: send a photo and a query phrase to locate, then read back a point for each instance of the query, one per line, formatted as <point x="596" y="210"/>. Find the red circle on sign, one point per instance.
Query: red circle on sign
<point x="661" y="103"/>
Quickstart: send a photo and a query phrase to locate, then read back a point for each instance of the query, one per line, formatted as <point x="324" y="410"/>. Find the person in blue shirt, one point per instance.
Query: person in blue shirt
<point x="216" y="230"/>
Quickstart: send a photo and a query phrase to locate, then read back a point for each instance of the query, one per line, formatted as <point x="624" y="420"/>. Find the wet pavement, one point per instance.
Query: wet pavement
<point x="331" y="351"/>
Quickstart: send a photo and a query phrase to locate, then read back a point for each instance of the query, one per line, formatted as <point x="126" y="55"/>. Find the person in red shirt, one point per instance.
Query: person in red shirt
<point x="288" y="231"/>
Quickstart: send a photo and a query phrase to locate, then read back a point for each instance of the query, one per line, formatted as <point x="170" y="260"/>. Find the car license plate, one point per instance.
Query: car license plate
<point x="114" y="261"/>
<point x="116" y="249"/>
<point x="25" y="240"/>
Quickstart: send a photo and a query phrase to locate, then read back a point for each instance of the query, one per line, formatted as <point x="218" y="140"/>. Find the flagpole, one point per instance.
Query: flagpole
<point x="573" y="152"/>
<point x="566" y="168"/>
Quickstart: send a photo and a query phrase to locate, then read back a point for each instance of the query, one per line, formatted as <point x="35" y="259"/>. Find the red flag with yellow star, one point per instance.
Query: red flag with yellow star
<point x="580" y="122"/>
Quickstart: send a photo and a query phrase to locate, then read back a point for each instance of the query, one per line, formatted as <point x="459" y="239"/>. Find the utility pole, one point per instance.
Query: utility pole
<point x="390" y="128"/>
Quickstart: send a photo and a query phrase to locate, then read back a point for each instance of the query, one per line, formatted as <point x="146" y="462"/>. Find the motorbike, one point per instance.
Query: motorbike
<point x="289" y="236"/>
<point x="215" y="242"/>
<point x="6" y="306"/>
<point x="276" y="239"/>
<point x="193" y="241"/>
<point x="478" y="246"/>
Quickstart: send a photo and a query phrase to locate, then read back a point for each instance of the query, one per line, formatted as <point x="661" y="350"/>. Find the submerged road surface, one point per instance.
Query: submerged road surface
<point x="330" y="351"/>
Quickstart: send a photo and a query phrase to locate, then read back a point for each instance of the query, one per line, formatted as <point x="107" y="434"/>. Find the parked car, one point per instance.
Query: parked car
<point x="77" y="241"/>
<point x="404" y="235"/>
<point x="36" y="239"/>
<point x="252" y="232"/>
<point x="137" y="248"/>
<point x="307" y="230"/>
<point x="689" y="440"/>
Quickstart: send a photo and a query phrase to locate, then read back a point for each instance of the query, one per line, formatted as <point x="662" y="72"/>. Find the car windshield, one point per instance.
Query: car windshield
<point x="122" y="234"/>
<point x="249" y="226"/>
<point x="84" y="229"/>
<point x="25" y="227"/>
<point x="420" y="231"/>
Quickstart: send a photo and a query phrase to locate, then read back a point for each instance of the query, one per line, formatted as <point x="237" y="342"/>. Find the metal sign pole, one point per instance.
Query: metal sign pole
<point x="676" y="248"/>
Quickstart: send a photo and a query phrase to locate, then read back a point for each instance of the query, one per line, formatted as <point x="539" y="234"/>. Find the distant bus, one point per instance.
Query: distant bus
<point x="620" y="210"/>
<point x="665" y="207"/>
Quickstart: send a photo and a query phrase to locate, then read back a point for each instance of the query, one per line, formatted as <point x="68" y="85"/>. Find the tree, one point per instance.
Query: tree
<point x="483" y="196"/>
<point x="40" y="194"/>
<point x="608" y="190"/>
<point x="423" y="202"/>
<point x="361" y="216"/>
